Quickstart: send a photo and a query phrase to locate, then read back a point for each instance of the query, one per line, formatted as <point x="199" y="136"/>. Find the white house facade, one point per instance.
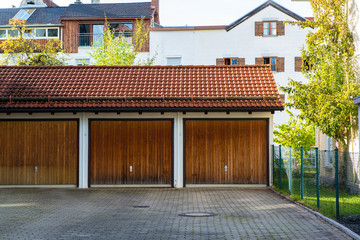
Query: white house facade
<point x="240" y="41"/>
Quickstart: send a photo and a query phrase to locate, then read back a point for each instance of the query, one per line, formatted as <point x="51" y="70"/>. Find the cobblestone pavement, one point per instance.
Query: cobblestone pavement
<point x="109" y="214"/>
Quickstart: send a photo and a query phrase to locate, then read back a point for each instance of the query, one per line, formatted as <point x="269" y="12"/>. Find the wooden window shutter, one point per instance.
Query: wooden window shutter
<point x="241" y="61"/>
<point x="280" y="66"/>
<point x="259" y="61"/>
<point x="259" y="29"/>
<point x="280" y="28"/>
<point x="220" y="61"/>
<point x="298" y="64"/>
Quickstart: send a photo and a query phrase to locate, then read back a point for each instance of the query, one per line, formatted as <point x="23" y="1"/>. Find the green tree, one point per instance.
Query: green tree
<point x="326" y="100"/>
<point x="23" y="50"/>
<point x="296" y="133"/>
<point x="117" y="49"/>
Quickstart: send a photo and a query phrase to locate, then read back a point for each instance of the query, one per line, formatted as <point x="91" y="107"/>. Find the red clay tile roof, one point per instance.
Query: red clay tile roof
<point x="149" y="88"/>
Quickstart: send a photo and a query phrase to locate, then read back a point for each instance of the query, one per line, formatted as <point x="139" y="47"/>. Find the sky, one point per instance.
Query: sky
<point x="197" y="12"/>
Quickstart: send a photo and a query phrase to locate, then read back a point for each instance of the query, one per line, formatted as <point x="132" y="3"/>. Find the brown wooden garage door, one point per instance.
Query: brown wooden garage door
<point x="131" y="152"/>
<point x="38" y="152"/>
<point x="226" y="152"/>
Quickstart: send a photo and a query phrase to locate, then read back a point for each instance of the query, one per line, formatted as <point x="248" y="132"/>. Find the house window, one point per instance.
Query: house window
<point x="269" y="28"/>
<point x="40" y="33"/>
<point x="2" y="34"/>
<point x="82" y="61"/>
<point x="272" y="61"/>
<point x="53" y="32"/>
<point x="13" y="33"/>
<point x="173" y="61"/>
<point x="92" y="34"/>
<point x="24" y="14"/>
<point x="230" y="61"/>
<point x="29" y="33"/>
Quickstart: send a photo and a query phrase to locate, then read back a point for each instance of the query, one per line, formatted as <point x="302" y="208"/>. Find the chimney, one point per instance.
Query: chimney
<point x="155" y="5"/>
<point x="95" y="1"/>
<point x="78" y="2"/>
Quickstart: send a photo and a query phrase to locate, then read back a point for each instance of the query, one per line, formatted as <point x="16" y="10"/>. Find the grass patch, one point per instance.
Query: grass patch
<point x="349" y="204"/>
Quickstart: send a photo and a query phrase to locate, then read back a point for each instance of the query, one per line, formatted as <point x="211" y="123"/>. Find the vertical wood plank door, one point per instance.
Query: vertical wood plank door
<point x="226" y="152"/>
<point x="38" y="152"/>
<point x="131" y="152"/>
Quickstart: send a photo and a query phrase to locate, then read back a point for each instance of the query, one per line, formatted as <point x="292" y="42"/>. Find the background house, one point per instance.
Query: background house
<point x="259" y="37"/>
<point x="42" y="20"/>
<point x="79" y="25"/>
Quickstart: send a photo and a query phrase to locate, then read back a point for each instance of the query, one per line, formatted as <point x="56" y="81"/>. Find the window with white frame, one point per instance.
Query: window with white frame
<point x="173" y="61"/>
<point x="40" y="33"/>
<point x="82" y="61"/>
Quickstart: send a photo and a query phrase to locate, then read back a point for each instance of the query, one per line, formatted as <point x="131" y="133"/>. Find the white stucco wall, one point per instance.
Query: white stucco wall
<point x="202" y="47"/>
<point x="83" y="53"/>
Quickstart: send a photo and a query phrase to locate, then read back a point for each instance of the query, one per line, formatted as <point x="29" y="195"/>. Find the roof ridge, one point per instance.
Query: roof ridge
<point x="138" y="66"/>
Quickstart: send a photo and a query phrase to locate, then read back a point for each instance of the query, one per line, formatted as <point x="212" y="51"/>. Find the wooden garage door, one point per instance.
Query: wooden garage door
<point x="38" y="152"/>
<point x="226" y="152"/>
<point x="131" y="152"/>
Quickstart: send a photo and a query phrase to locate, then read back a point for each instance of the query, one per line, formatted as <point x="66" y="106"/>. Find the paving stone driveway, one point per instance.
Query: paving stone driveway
<point x="108" y="214"/>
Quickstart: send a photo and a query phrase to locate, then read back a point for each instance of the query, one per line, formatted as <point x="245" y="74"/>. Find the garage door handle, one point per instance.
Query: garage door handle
<point x="35" y="169"/>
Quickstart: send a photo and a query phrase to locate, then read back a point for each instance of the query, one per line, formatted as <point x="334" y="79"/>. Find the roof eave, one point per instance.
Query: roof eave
<point x="143" y="109"/>
<point x="102" y="19"/>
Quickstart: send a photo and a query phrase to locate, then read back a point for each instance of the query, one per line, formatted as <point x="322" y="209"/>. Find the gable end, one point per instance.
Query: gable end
<point x="261" y="7"/>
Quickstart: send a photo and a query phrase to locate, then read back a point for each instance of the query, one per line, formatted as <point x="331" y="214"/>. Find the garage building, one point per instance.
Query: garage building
<point x="109" y="126"/>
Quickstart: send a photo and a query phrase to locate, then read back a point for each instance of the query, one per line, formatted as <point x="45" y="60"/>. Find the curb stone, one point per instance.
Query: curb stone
<point x="319" y="215"/>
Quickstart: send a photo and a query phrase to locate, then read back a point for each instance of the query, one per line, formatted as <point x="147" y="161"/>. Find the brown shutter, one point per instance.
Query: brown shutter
<point x="280" y="28"/>
<point x="259" y="61"/>
<point x="298" y="64"/>
<point x="259" y="29"/>
<point x="282" y="97"/>
<point x="220" y="61"/>
<point x="241" y="61"/>
<point x="280" y="66"/>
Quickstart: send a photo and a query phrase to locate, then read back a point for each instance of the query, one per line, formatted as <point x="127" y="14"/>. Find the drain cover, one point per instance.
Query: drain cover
<point x="141" y="206"/>
<point x="197" y="214"/>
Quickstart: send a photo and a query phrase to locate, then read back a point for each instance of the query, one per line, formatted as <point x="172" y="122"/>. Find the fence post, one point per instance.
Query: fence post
<point x="273" y="164"/>
<point x="290" y="171"/>
<point x="302" y="174"/>
<point x="280" y="166"/>
<point x="317" y="177"/>
<point x="337" y="182"/>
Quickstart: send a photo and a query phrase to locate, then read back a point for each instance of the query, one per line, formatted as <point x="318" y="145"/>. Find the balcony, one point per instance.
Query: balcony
<point x="88" y="39"/>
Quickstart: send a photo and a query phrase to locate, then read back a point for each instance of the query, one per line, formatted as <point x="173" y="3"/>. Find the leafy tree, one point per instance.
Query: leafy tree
<point x="112" y="49"/>
<point x="295" y="134"/>
<point x="326" y="100"/>
<point x="22" y="50"/>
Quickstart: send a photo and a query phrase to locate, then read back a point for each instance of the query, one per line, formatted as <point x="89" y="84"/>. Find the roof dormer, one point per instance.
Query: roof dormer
<point x="37" y="3"/>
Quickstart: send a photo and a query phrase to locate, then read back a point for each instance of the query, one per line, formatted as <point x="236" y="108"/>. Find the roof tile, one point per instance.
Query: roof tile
<point x="139" y="81"/>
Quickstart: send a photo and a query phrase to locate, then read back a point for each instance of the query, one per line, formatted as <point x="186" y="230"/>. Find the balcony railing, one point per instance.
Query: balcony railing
<point x="88" y="40"/>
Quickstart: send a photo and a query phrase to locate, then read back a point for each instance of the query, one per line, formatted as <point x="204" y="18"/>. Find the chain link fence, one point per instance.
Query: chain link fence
<point x="327" y="181"/>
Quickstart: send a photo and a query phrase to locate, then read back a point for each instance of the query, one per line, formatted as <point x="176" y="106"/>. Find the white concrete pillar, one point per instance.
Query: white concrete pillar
<point x="271" y="142"/>
<point x="83" y="151"/>
<point x="178" y="151"/>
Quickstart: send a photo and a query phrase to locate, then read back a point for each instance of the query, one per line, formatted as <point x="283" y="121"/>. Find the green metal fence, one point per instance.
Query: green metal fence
<point x="327" y="181"/>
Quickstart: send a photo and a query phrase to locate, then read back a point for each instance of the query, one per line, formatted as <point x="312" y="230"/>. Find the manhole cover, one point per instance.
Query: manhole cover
<point x="197" y="214"/>
<point x="141" y="206"/>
